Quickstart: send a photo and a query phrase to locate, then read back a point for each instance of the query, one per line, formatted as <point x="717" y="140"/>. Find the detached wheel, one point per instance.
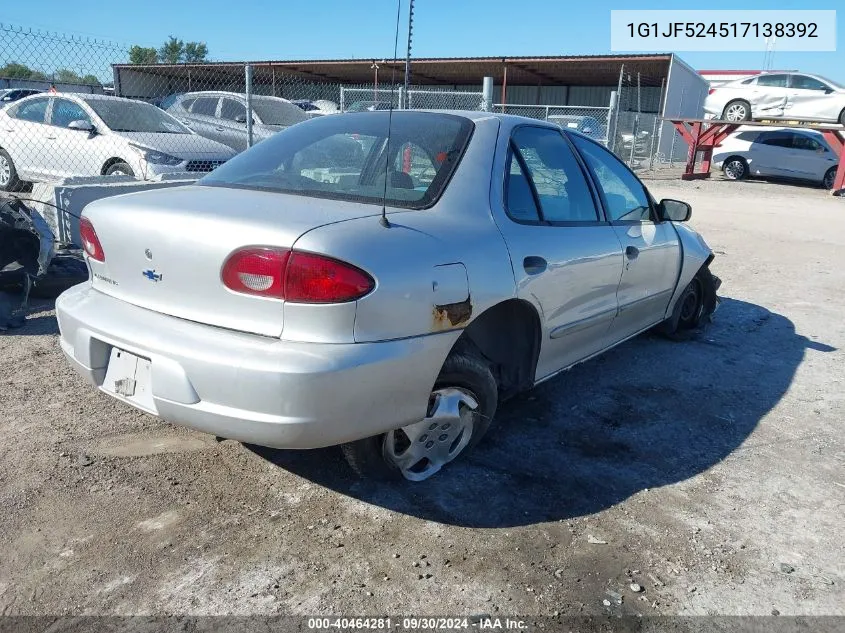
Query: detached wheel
<point x="460" y="410"/>
<point x="9" y="180"/>
<point x="829" y="177"/>
<point x="735" y="168"/>
<point x="738" y="110"/>
<point x="120" y="169"/>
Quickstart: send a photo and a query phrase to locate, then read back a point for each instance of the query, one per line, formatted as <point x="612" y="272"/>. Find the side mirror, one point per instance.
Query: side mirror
<point x="241" y="118"/>
<point x="674" y="210"/>
<point x="81" y="124"/>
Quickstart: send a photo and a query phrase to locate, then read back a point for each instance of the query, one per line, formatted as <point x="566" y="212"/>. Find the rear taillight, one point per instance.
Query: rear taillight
<point x="317" y="279"/>
<point x="711" y="91"/>
<point x="294" y="276"/>
<point x="90" y="241"/>
<point x="256" y="271"/>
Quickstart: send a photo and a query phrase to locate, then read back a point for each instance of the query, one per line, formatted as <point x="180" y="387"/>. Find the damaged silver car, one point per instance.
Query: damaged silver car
<point x="384" y="297"/>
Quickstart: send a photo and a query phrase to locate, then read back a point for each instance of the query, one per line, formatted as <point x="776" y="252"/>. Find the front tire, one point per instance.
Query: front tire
<point x="9" y="180"/>
<point x="829" y="177"/>
<point x="737" y="110"/>
<point x="735" y="168"/>
<point x="842" y="117"/>
<point x="697" y="302"/>
<point x="461" y="408"/>
<point x="119" y="169"/>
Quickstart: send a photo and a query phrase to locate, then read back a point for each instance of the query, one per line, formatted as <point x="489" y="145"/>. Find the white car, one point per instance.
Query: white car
<point x="792" y="96"/>
<point x="53" y="136"/>
<point x="779" y="153"/>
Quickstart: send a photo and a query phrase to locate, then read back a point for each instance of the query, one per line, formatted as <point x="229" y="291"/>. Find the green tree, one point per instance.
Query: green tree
<point x="142" y="55"/>
<point x="90" y="80"/>
<point x="65" y="76"/>
<point x="14" y="70"/>
<point x="195" y="52"/>
<point x="172" y="51"/>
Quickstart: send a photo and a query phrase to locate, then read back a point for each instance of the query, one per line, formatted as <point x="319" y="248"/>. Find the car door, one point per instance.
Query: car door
<point x="232" y="124"/>
<point x="26" y="136"/>
<point x="768" y="96"/>
<point x="71" y="152"/>
<point x="566" y="258"/>
<point x="810" y="156"/>
<point x="652" y="250"/>
<point x="203" y="117"/>
<point x="810" y="98"/>
<point x="772" y="155"/>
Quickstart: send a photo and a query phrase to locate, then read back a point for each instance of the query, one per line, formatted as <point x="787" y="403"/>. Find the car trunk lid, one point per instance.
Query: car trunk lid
<point x="164" y="249"/>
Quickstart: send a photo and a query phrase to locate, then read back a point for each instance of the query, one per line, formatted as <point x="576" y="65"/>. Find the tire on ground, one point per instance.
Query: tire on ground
<point x="705" y="284"/>
<point x="463" y="368"/>
<point x="119" y="168"/>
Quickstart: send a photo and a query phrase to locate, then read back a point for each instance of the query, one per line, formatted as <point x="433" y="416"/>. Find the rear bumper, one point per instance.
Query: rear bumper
<point x="251" y="388"/>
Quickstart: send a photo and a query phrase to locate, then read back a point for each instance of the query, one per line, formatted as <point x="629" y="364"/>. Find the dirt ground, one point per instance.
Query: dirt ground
<point x="710" y="472"/>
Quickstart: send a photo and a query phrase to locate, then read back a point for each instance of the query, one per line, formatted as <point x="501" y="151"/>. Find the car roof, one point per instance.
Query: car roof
<point x="227" y="93"/>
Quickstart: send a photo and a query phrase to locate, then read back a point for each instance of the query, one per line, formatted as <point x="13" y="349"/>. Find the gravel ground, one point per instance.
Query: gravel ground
<point x="710" y="472"/>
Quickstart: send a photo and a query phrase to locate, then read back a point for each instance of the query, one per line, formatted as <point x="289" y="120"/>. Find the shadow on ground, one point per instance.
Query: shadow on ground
<point x="650" y="413"/>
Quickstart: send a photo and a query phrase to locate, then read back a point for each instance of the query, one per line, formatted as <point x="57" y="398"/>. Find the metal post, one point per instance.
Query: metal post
<point x="401" y="98"/>
<point x="248" y="80"/>
<point x="273" y="70"/>
<point x="547" y="114"/>
<point x="487" y="94"/>
<point x="674" y="132"/>
<point x="609" y="123"/>
<point x="408" y="52"/>
<point x="504" y="87"/>
<point x="612" y="140"/>
<point x="342" y="109"/>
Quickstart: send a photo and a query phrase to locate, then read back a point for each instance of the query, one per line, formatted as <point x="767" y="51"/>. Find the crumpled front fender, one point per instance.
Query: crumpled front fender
<point x="695" y="254"/>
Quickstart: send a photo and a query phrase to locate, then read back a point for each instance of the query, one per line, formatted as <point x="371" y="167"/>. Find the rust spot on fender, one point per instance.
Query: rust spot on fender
<point x="452" y="315"/>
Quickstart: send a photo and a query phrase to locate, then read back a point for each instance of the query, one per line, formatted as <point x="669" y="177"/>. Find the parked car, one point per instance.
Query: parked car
<point x="221" y="116"/>
<point x="380" y="309"/>
<point x="780" y="153"/>
<point x="49" y="137"/>
<point x="8" y="95"/>
<point x="368" y="106"/>
<point x="791" y="96"/>
<point x="587" y="125"/>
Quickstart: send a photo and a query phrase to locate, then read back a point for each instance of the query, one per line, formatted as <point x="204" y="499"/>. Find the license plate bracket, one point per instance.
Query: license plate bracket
<point x="129" y="378"/>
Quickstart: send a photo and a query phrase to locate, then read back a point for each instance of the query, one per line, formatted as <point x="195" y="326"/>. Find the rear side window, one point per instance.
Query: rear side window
<point x="35" y="111"/>
<point x="349" y="158"/>
<point x="206" y="106"/>
<point x="783" y="139"/>
<point x="547" y="162"/>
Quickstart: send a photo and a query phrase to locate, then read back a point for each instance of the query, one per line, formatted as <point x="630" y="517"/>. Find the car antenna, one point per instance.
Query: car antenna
<point x="384" y="221"/>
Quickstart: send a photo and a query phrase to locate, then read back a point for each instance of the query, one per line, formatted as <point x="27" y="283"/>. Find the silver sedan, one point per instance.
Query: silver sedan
<point x="378" y="281"/>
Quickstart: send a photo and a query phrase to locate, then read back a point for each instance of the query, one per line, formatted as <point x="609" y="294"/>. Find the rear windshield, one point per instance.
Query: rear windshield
<point x="347" y="157"/>
<point x="277" y="112"/>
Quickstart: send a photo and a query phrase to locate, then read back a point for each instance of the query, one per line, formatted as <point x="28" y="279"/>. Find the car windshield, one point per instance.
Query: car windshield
<point x="277" y="112"/>
<point x="831" y="83"/>
<point x="347" y="157"/>
<point x="123" y="115"/>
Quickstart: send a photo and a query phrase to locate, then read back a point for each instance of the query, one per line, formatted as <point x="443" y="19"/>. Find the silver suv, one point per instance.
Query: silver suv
<point x="221" y="116"/>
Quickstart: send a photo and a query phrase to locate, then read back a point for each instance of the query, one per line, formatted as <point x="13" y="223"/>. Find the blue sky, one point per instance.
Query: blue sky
<point x="314" y="29"/>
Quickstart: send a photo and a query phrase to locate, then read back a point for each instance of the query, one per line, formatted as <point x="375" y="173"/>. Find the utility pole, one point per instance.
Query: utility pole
<point x="375" y="70"/>
<point x="408" y="53"/>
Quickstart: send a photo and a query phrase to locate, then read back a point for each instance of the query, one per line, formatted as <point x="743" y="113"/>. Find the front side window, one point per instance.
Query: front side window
<point x="625" y="197"/>
<point x="349" y="158"/>
<point x="547" y="161"/>
<point x="64" y="112"/>
<point x="799" y="141"/>
<point x="231" y="110"/>
<point x="772" y="81"/>
<point x="802" y="82"/>
<point x="34" y="111"/>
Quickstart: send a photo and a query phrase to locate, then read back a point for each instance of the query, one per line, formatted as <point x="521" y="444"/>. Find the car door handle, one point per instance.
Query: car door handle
<point x="534" y="265"/>
<point x="632" y="252"/>
<point x="220" y="129"/>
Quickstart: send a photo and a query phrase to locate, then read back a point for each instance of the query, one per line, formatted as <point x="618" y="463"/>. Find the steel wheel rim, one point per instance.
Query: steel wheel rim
<point x="736" y="112"/>
<point x="691" y="305"/>
<point x="421" y="449"/>
<point x="5" y="171"/>
<point x="734" y="169"/>
<point x="119" y="172"/>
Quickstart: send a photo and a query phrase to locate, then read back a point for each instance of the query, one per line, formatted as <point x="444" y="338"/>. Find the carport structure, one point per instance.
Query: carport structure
<point x="704" y="135"/>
